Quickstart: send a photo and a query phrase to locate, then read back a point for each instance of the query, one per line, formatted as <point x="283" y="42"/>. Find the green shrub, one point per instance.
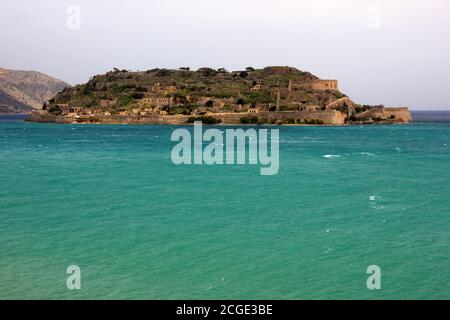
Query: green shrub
<point x="290" y="121"/>
<point x="179" y="98"/>
<point x="262" y="121"/>
<point x="207" y="72"/>
<point x="140" y="89"/>
<point x="310" y="121"/>
<point x="241" y="101"/>
<point x="137" y="95"/>
<point x="259" y="97"/>
<point x="124" y="100"/>
<point x="204" y="119"/>
<point x="249" y="120"/>
<point x="55" y="110"/>
<point x="184" y="109"/>
<point x="360" y="109"/>
<point x="163" y="73"/>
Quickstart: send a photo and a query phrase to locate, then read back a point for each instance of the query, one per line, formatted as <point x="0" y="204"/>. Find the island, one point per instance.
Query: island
<point x="275" y="95"/>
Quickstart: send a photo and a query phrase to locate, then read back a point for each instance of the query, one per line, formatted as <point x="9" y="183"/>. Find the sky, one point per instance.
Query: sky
<point x="395" y="53"/>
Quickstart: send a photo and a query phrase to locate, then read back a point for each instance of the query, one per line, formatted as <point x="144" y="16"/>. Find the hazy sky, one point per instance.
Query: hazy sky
<point x="394" y="52"/>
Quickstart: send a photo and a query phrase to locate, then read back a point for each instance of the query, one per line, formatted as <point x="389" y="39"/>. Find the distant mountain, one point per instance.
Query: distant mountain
<point x="24" y="91"/>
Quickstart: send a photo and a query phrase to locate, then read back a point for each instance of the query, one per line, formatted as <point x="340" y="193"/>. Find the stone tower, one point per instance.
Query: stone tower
<point x="278" y="100"/>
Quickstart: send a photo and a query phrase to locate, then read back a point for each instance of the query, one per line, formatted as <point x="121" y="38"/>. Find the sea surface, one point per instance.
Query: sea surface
<point x="108" y="199"/>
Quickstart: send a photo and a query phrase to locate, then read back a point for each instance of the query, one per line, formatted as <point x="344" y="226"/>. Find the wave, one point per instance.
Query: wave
<point x="374" y="203"/>
<point x="366" y="154"/>
<point x="331" y="156"/>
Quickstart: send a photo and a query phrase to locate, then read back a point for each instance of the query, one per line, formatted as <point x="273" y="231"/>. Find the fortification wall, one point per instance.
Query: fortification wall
<point x="325" y="85"/>
<point x="328" y="117"/>
<point x="340" y="102"/>
<point x="396" y="114"/>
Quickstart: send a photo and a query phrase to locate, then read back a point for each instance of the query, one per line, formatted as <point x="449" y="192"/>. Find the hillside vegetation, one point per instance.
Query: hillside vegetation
<point x="204" y="90"/>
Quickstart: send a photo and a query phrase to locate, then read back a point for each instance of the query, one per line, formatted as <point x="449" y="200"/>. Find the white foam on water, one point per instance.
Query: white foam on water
<point x="331" y="156"/>
<point x="374" y="204"/>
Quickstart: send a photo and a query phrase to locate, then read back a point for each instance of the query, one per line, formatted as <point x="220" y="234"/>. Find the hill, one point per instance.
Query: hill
<point x="24" y="91"/>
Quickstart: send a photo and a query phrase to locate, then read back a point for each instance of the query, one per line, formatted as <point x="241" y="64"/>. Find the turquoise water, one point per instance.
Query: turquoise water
<point x="108" y="199"/>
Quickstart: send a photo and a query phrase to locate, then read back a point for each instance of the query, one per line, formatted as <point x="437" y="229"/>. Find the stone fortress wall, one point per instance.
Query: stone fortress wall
<point x="328" y="117"/>
<point x="325" y="85"/>
<point x="320" y="85"/>
<point x="399" y="114"/>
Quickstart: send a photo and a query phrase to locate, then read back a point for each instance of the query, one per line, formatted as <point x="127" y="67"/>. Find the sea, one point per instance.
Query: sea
<point x="108" y="200"/>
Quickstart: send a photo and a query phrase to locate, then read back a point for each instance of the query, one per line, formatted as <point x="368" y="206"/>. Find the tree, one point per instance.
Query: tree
<point x="179" y="98"/>
<point x="162" y="73"/>
<point x="204" y="119"/>
<point x="241" y="101"/>
<point x="351" y="118"/>
<point x="137" y="95"/>
<point x="207" y="72"/>
<point x="247" y="120"/>
<point x="55" y="110"/>
<point x="140" y="89"/>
